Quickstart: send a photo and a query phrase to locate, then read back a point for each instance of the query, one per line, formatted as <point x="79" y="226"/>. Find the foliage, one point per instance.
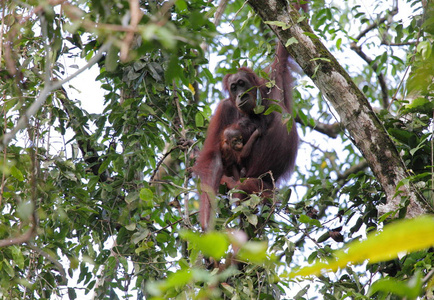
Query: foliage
<point x="403" y="236"/>
<point x="104" y="204"/>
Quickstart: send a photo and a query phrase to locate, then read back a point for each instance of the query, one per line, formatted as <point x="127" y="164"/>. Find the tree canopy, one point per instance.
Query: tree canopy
<point x="104" y="205"/>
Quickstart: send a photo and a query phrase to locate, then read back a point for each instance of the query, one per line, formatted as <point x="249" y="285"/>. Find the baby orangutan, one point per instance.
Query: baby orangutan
<point x="234" y="149"/>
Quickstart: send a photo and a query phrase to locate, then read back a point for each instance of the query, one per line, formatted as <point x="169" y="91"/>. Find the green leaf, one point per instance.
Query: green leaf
<point x="252" y="219"/>
<point x="104" y="165"/>
<point x="174" y="69"/>
<point x="8" y="268"/>
<point x="338" y="43"/>
<point x="72" y="294"/>
<point x="131" y="226"/>
<point x="291" y="41"/>
<point x="289" y="124"/>
<point x="421" y="105"/>
<point x="17" y="173"/>
<point x="149" y="110"/>
<point x="310" y="34"/>
<point x="25" y="209"/>
<point x="179" y="278"/>
<point x="273" y="107"/>
<point x="131" y="197"/>
<point x="146" y="194"/>
<point x="425" y="49"/>
<point x="211" y="244"/>
<point x="111" y="60"/>
<point x="400" y="236"/>
<point x="259" y="109"/>
<point x="253" y="251"/>
<point x="321" y="59"/>
<point x="324" y="237"/>
<point x="181" y="5"/>
<point x="139" y="236"/>
<point x="199" y="119"/>
<point x="17" y="256"/>
<point x="305" y="219"/>
<point x="410" y="289"/>
<point x="303" y="117"/>
<point x="283" y="25"/>
<point x="301" y="19"/>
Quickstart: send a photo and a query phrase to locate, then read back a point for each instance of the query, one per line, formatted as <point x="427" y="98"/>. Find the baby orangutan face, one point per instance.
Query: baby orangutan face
<point x="234" y="139"/>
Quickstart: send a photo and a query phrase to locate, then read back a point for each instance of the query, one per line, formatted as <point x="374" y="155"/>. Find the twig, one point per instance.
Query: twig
<point x="386" y="43"/>
<point x="399" y="86"/>
<point x="2" y="26"/>
<point x="374" y="25"/>
<point x="57" y="264"/>
<point x="428" y="276"/>
<point x="238" y="11"/>
<point x="171" y="224"/>
<point x="374" y="66"/>
<point x="406" y="70"/>
<point x="358" y="50"/>
<point x="220" y="10"/>
<point x="5" y="151"/>
<point x="178" y="107"/>
<point x="168" y="183"/>
<point x="432" y="159"/>
<point x="160" y="162"/>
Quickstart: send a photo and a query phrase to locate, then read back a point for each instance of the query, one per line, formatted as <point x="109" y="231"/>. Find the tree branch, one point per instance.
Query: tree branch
<point x="358" y="50"/>
<point x="356" y="114"/>
<point x="331" y="130"/>
<point x="56" y="263"/>
<point x="25" y="237"/>
<point x="343" y="177"/>
<point x="380" y="76"/>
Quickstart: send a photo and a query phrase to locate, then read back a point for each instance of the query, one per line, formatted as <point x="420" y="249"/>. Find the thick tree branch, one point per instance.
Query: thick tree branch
<point x="25" y="237"/>
<point x="331" y="130"/>
<point x="356" y="114"/>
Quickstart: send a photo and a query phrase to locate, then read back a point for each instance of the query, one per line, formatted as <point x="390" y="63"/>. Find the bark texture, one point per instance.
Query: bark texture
<point x="367" y="132"/>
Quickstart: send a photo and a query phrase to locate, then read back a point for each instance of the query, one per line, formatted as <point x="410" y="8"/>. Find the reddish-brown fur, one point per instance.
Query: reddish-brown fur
<point x="274" y="151"/>
<point x="236" y="145"/>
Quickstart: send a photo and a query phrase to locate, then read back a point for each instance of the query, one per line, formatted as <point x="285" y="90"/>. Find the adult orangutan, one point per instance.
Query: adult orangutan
<point x="274" y="151"/>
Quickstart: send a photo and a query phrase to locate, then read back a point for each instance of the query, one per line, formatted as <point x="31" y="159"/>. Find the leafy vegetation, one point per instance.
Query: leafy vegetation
<point x="104" y="205"/>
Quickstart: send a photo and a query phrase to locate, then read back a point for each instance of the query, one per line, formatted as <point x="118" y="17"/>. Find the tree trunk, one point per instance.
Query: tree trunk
<point x="367" y="132"/>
